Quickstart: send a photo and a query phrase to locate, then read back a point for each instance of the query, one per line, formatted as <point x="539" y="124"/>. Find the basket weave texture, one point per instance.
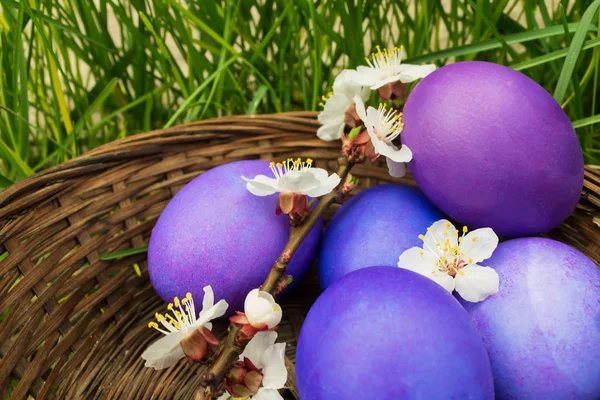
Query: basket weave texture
<point x="73" y="325"/>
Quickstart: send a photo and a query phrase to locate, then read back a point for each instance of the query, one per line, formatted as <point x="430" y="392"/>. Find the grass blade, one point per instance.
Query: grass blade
<point x="124" y="253"/>
<point x="574" y="50"/>
<point x="586" y="121"/>
<point x="492" y="44"/>
<point x="258" y="96"/>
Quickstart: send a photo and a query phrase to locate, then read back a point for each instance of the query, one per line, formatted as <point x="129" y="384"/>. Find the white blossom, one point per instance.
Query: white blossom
<point x="384" y="126"/>
<point x="452" y="261"/>
<point x="294" y="176"/>
<point x="385" y="66"/>
<point x="339" y="105"/>
<point x="167" y="351"/>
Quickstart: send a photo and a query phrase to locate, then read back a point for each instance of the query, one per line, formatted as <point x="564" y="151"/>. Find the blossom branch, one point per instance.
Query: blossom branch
<point x="234" y="343"/>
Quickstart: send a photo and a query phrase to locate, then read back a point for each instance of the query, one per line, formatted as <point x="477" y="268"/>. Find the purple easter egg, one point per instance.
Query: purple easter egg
<point x="542" y="329"/>
<point x="491" y="148"/>
<point x="374" y="228"/>
<point x="214" y="232"/>
<point x="390" y="333"/>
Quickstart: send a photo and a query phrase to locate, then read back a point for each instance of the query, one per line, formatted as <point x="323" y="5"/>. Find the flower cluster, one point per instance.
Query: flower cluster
<point x="260" y="371"/>
<point x="378" y="130"/>
<point x="451" y="260"/>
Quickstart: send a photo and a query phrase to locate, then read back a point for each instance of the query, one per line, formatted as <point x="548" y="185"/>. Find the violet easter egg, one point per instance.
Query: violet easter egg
<point x="374" y="228"/>
<point x="214" y="232"/>
<point x="492" y="148"/>
<point x="390" y="333"/>
<point x="542" y="329"/>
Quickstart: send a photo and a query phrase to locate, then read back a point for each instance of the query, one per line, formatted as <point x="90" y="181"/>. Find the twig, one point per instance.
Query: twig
<point x="234" y="347"/>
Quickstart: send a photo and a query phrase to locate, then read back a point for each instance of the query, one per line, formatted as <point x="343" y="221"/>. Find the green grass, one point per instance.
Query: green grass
<point x="75" y="74"/>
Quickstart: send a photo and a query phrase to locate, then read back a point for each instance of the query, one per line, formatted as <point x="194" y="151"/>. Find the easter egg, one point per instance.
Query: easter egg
<point x="214" y="232"/>
<point x="390" y="333"/>
<point x="491" y="148"/>
<point x="542" y="329"/>
<point x="374" y="228"/>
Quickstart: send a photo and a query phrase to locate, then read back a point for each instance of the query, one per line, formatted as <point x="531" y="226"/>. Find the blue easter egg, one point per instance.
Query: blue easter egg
<point x="390" y="333"/>
<point x="374" y="228"/>
<point x="542" y="328"/>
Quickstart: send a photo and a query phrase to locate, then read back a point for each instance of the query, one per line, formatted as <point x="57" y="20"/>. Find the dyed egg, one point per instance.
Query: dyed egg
<point x="390" y="333"/>
<point x="491" y="148"/>
<point x="374" y="228"/>
<point x="542" y="329"/>
<point x="214" y="232"/>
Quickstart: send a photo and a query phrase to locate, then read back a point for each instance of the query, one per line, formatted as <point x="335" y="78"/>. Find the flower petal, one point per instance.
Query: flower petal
<point x="209" y="297"/>
<point x="385" y="81"/>
<point x="396" y="169"/>
<point x="360" y="108"/>
<point x="216" y="311"/>
<point x="423" y="262"/>
<point x="348" y="84"/>
<point x="444" y="280"/>
<point x="478" y="245"/>
<point x="326" y="186"/>
<point x="267" y="394"/>
<point x="438" y="234"/>
<point x="330" y="132"/>
<point x="410" y="73"/>
<point x="417" y="260"/>
<point x="274" y="371"/>
<point x="403" y="154"/>
<point x="165" y="352"/>
<point x="257" y="346"/>
<point x="475" y="283"/>
<point x="261" y="185"/>
<point x="368" y="76"/>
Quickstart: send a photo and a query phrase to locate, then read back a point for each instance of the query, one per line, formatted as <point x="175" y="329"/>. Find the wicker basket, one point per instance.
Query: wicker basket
<point x="73" y="325"/>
